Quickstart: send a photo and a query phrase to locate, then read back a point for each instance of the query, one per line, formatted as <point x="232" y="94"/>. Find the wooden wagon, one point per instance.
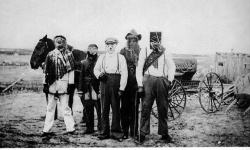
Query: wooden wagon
<point x="241" y="89"/>
<point x="210" y="89"/>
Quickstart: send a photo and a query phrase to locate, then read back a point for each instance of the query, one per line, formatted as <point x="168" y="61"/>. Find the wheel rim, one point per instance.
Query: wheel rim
<point x="177" y="101"/>
<point x="210" y="92"/>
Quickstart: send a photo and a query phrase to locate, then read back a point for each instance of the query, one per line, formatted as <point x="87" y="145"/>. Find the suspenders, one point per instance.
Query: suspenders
<point x="118" y="64"/>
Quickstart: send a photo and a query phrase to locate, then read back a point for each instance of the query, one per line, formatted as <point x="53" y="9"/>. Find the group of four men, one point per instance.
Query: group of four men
<point x="110" y="80"/>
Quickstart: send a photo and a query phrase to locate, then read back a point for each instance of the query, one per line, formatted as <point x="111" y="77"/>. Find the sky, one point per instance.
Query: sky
<point x="187" y="26"/>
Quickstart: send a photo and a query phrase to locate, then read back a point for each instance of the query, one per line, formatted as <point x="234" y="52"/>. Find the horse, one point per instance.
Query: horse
<point x="43" y="47"/>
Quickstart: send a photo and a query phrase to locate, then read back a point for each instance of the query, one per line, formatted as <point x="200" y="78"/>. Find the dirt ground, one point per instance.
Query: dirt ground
<point x="22" y="119"/>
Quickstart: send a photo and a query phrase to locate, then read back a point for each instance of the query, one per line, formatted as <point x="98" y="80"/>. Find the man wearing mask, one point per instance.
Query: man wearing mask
<point x="154" y="75"/>
<point x="89" y="89"/>
<point x="111" y="70"/>
<point x="129" y="103"/>
<point x="59" y="82"/>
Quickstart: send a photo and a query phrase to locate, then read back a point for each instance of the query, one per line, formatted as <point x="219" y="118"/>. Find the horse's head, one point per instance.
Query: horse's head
<point x="43" y="47"/>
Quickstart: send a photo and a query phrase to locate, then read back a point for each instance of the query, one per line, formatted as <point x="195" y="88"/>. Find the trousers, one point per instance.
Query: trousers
<point x="66" y="112"/>
<point x="90" y="105"/>
<point x="154" y="88"/>
<point x="129" y="110"/>
<point x="109" y="97"/>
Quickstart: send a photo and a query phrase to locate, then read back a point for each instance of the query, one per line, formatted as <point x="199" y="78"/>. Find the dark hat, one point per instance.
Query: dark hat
<point x="132" y="35"/>
<point x="93" y="45"/>
<point x="60" y="36"/>
<point x="155" y="36"/>
<point x="111" y="40"/>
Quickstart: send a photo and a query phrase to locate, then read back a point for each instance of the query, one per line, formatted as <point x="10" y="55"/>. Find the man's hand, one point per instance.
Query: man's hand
<point x="46" y="88"/>
<point x="80" y="93"/>
<point x="120" y="93"/>
<point x="170" y="85"/>
<point x="102" y="76"/>
<point x="71" y="88"/>
<point x="140" y="92"/>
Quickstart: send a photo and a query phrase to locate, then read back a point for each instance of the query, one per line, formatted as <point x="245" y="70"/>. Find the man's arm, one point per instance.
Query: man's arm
<point x="81" y="78"/>
<point x="170" y="66"/>
<point x="124" y="72"/>
<point x="98" y="65"/>
<point x="139" y="68"/>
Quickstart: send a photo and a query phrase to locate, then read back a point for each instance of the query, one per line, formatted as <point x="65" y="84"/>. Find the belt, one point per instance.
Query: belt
<point x="147" y="75"/>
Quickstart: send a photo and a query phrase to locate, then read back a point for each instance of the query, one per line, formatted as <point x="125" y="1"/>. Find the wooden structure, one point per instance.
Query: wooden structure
<point x="232" y="65"/>
<point x="241" y="93"/>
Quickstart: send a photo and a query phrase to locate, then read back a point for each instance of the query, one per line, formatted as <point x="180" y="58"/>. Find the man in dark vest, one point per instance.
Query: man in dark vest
<point x="89" y="89"/>
<point x="59" y="82"/>
<point x="154" y="75"/>
<point x="129" y="102"/>
<point x="111" y="70"/>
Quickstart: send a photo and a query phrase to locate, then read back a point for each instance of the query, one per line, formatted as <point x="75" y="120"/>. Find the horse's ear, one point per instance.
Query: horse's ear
<point x="44" y="38"/>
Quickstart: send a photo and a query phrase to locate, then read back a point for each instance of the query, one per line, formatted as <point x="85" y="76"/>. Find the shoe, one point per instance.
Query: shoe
<point x="83" y="121"/>
<point x="117" y="135"/>
<point x="47" y="134"/>
<point x="166" y="138"/>
<point x="125" y="136"/>
<point x="88" y="132"/>
<point x="72" y="133"/>
<point x="102" y="137"/>
<point x="140" y="138"/>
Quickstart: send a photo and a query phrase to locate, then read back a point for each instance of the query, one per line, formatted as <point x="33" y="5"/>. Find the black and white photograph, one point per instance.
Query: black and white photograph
<point x="125" y="74"/>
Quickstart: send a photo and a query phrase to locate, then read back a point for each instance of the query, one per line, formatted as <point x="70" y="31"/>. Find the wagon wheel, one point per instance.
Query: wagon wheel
<point x="177" y="101"/>
<point x="210" y="92"/>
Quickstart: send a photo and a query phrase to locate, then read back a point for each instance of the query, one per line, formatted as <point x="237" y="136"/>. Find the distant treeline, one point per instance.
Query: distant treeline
<point x="11" y="51"/>
<point x="14" y="63"/>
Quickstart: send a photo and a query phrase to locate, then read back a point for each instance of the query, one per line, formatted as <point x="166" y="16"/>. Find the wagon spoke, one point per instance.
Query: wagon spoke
<point x="175" y="109"/>
<point x="171" y="112"/>
<point x="176" y="104"/>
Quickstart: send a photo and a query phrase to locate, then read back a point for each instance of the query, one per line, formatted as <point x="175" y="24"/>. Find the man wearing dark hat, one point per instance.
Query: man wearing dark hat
<point x="89" y="89"/>
<point x="154" y="75"/>
<point x="111" y="70"/>
<point x="59" y="79"/>
<point x="129" y="102"/>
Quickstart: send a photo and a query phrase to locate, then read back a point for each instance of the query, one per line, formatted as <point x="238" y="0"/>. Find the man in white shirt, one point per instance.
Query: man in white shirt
<point x="154" y="75"/>
<point x="59" y="82"/>
<point x="111" y="70"/>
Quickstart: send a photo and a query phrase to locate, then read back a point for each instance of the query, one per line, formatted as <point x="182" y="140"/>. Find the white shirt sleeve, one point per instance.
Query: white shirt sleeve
<point x="98" y="67"/>
<point x="139" y="68"/>
<point x="123" y="72"/>
<point x="170" y="67"/>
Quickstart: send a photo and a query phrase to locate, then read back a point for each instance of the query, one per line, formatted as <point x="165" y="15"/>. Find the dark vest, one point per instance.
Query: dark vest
<point x="132" y="60"/>
<point x="87" y="76"/>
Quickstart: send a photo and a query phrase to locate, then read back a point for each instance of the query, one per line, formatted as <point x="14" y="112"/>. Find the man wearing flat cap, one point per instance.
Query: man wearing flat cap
<point x="59" y="82"/>
<point x="129" y="102"/>
<point x="111" y="70"/>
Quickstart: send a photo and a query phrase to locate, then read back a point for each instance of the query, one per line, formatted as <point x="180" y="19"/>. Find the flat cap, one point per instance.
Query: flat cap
<point x="93" y="45"/>
<point x="111" y="40"/>
<point x="61" y="36"/>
